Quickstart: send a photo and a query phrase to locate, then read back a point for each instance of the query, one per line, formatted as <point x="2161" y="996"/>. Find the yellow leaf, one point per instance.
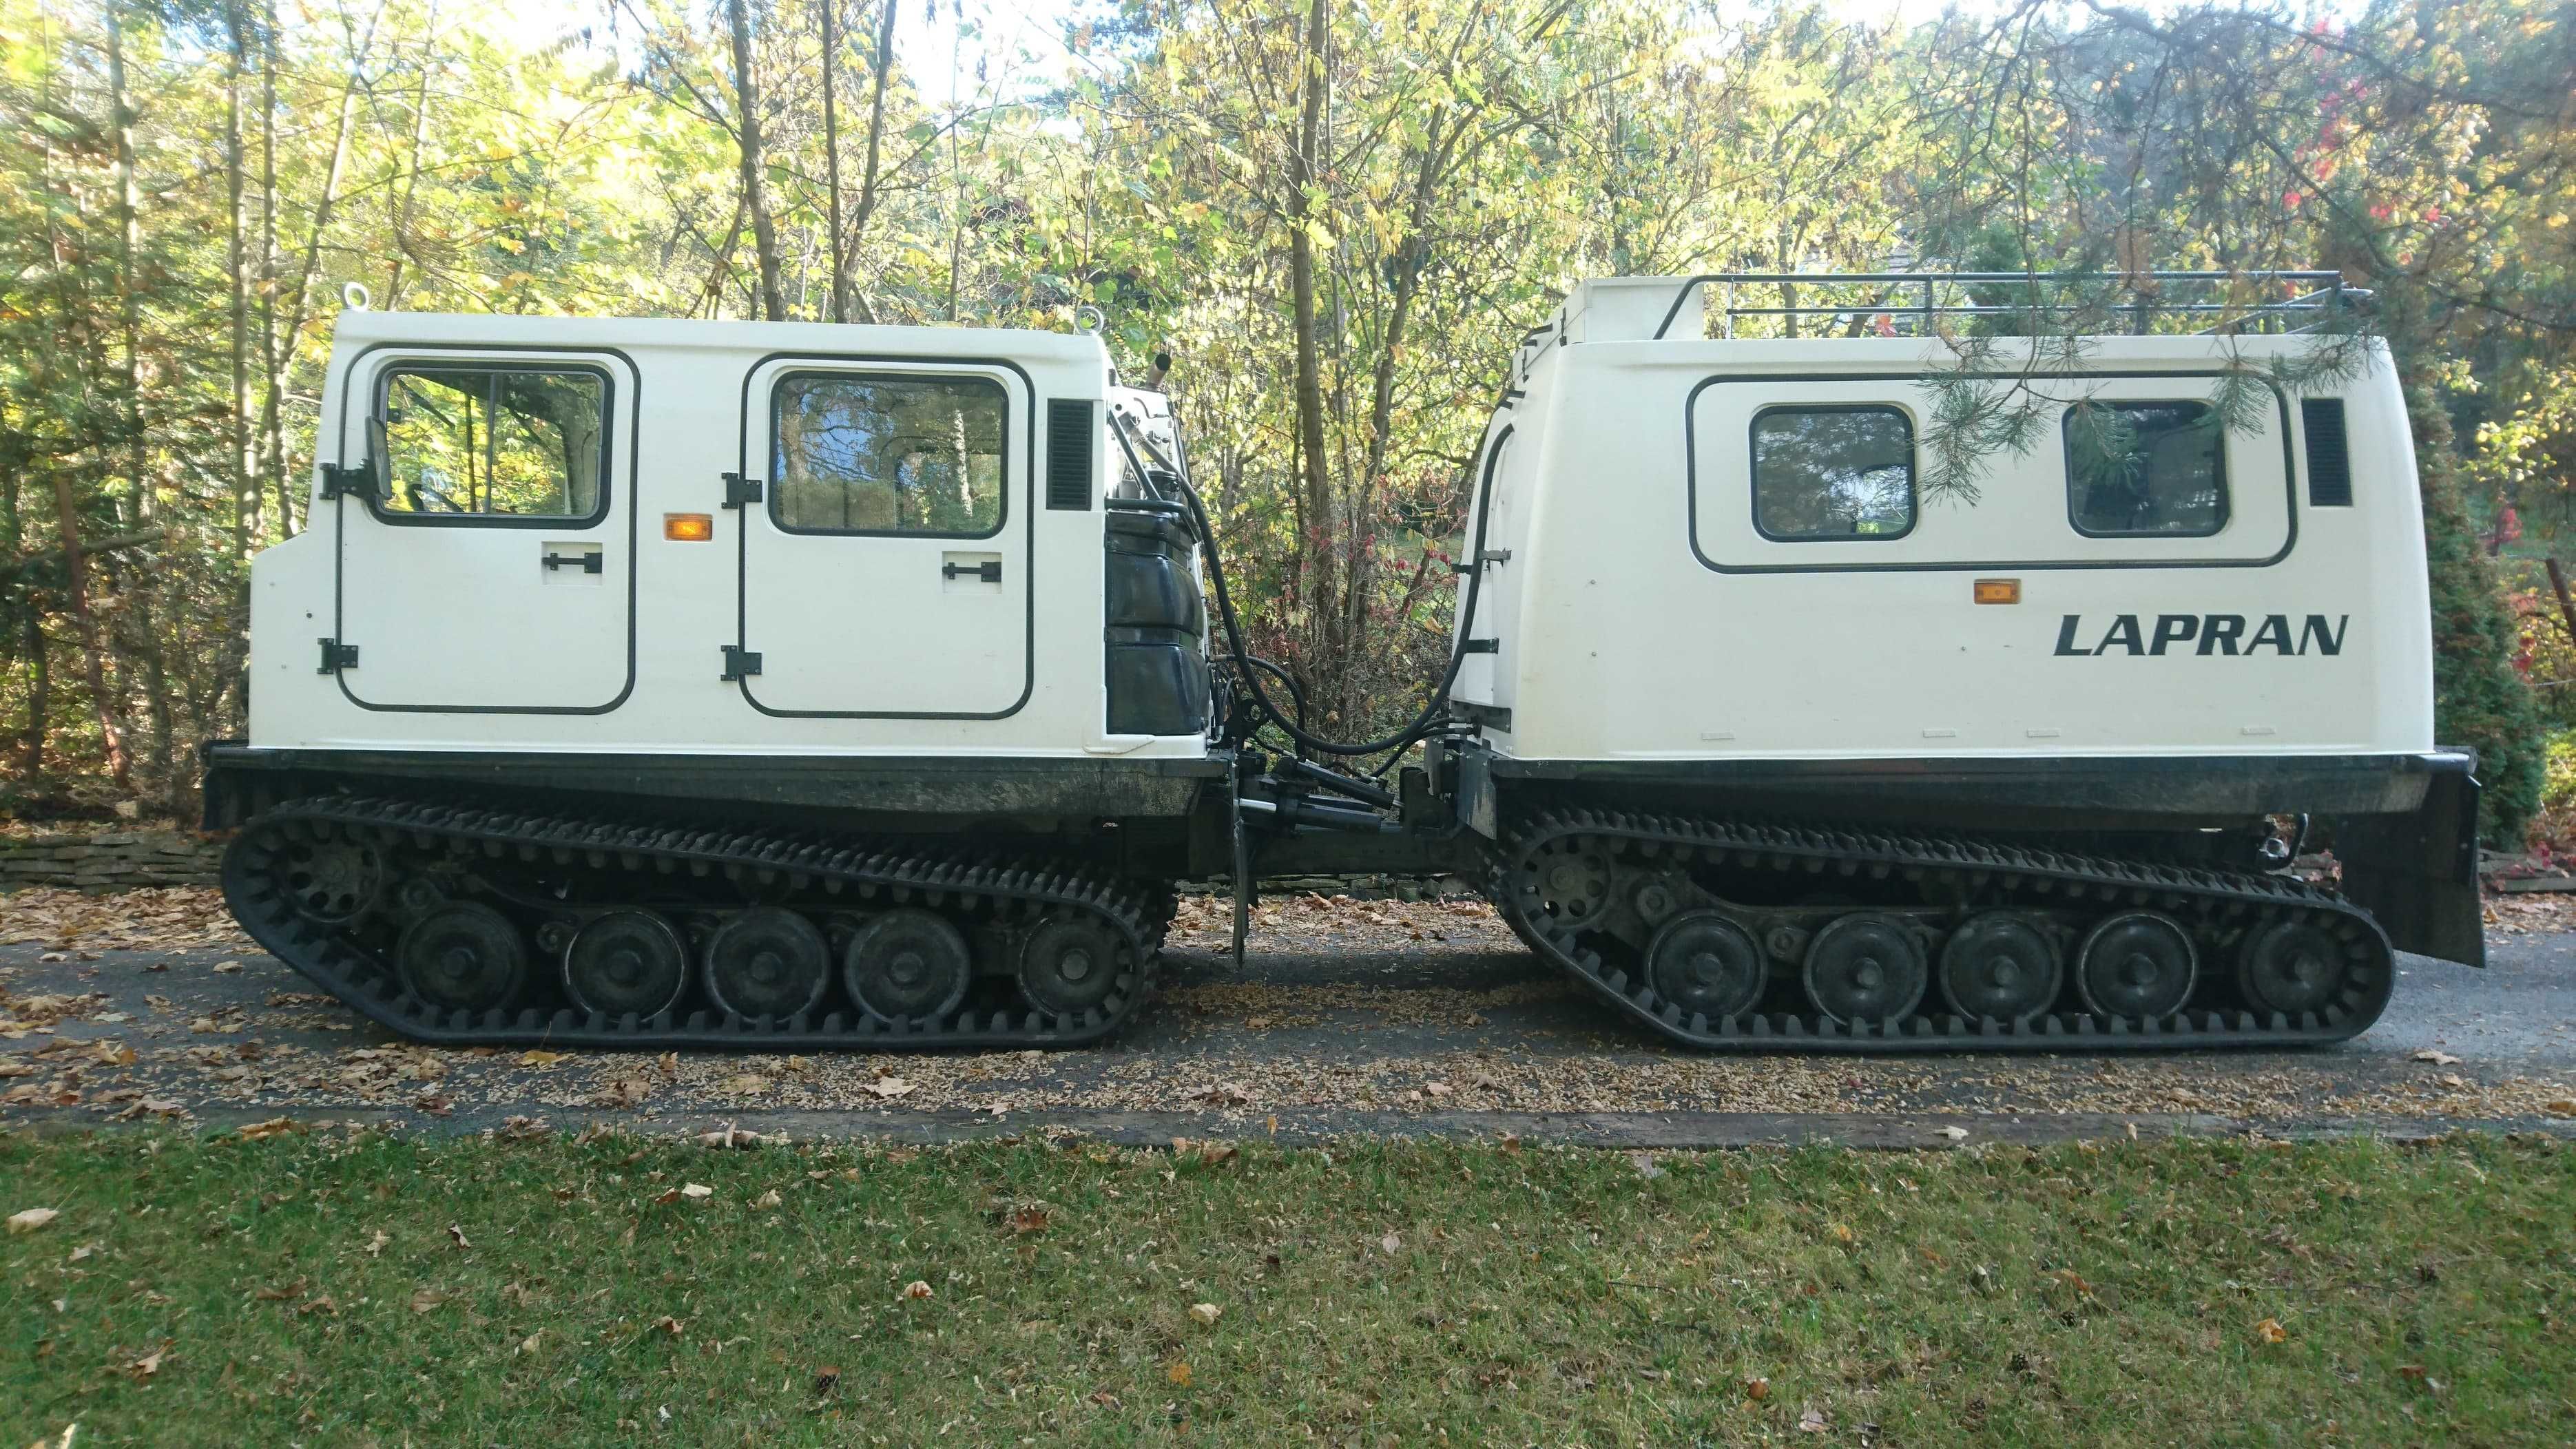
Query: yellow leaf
<point x="2271" y="1331"/>
<point x="1205" y="1313"/>
<point x="536" y="1058"/>
<point x="1179" y="1373"/>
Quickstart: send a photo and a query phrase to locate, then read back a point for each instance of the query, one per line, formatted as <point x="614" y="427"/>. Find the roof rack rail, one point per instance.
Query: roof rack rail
<point x="1915" y="303"/>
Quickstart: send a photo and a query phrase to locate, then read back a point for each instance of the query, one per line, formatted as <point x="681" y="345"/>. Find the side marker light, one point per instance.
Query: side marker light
<point x="1998" y="591"/>
<point x="698" y="527"/>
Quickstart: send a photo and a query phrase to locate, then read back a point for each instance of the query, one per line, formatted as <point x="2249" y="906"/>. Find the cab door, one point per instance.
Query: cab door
<point x="487" y="565"/>
<point x="884" y="538"/>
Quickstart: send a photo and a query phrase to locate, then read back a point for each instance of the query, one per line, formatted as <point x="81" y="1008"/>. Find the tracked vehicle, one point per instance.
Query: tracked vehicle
<point x="656" y="683"/>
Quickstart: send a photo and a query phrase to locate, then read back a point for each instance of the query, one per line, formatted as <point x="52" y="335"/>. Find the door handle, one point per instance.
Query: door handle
<point x="989" y="571"/>
<point x="590" y="563"/>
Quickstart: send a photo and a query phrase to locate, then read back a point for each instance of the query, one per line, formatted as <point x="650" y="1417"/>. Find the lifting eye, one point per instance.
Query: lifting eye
<point x="1998" y="591"/>
<point x="688" y="527"/>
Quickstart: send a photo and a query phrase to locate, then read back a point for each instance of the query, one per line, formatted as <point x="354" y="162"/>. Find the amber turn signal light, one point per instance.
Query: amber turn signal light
<point x="699" y="527"/>
<point x="1998" y="591"/>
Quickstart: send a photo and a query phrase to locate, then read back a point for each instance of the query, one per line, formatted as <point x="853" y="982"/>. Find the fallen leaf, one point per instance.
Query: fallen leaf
<point x="1205" y="1313"/>
<point x="670" y="1064"/>
<point x="529" y="1343"/>
<point x="1216" y="1153"/>
<point x="769" y="1199"/>
<point x="426" y="1299"/>
<point x="1955" y="1134"/>
<point x="746" y="1084"/>
<point x="696" y="1190"/>
<point x="1646" y="1165"/>
<point x="2271" y="1331"/>
<point x="1843" y="1235"/>
<point x="1812" y="1421"/>
<point x="828" y="1380"/>
<point x="2560" y="1106"/>
<point x="458" y="1234"/>
<point x="669" y="1325"/>
<point x="534" y="1057"/>
<point x="2075" y="1280"/>
<point x="1179" y="1374"/>
<point x="1756" y="1390"/>
<point x="227" y="967"/>
<point x="1105" y="1399"/>
<point x="2437" y="1057"/>
<point x="377" y="1243"/>
<point x="144" y="1367"/>
<point x="671" y="1196"/>
<point x="273" y="1127"/>
<point x="279" y="1295"/>
<point x="1027" y="1220"/>
<point x="32" y="1219"/>
<point x="17" y="1069"/>
<point x="915" y="1289"/>
<point x="1391" y="1244"/>
<point x="889" y="1088"/>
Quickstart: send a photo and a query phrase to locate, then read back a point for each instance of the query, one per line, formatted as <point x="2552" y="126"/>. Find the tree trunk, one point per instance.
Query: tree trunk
<point x="129" y="241"/>
<point x="40" y="695"/>
<point x="245" y="484"/>
<point x="840" y="303"/>
<point x="1316" y="548"/>
<point x="111" y="726"/>
<point x="2558" y="586"/>
<point x="272" y="367"/>
<point x="876" y="140"/>
<point x="755" y="188"/>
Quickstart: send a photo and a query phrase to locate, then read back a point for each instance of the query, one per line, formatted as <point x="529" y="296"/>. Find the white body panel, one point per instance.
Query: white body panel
<point x="469" y="643"/>
<point x="1642" y="616"/>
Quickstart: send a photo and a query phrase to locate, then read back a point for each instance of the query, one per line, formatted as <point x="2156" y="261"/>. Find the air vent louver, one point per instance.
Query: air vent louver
<point x="2329" y="458"/>
<point x="1071" y="438"/>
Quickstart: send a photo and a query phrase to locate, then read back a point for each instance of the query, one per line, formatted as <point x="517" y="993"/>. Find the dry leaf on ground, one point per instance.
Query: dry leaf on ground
<point x="1205" y="1312"/>
<point x="32" y="1219"/>
<point x="915" y="1289"/>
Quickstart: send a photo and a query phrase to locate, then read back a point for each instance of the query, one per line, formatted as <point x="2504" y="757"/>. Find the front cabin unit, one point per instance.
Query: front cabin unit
<point x="844" y="567"/>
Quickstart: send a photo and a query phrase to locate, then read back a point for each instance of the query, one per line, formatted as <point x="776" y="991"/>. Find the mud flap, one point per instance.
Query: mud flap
<point x="2418" y="873"/>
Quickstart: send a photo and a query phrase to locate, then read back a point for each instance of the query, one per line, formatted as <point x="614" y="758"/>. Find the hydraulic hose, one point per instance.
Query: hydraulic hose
<point x="1423" y="722"/>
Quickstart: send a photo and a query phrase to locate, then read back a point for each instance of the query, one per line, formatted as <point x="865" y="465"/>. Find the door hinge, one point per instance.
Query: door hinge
<point x="739" y="663"/>
<point x="989" y="571"/>
<point x="590" y="563"/>
<point x="337" y="656"/>
<point x="347" y="480"/>
<point x="740" y="490"/>
<point x="1481" y="646"/>
<point x="1489" y="556"/>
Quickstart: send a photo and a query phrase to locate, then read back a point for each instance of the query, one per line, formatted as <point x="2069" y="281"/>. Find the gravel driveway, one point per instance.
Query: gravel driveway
<point x="1350" y="1016"/>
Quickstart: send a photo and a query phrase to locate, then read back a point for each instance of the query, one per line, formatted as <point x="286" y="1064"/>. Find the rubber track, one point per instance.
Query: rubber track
<point x="358" y="977"/>
<point x="2066" y="880"/>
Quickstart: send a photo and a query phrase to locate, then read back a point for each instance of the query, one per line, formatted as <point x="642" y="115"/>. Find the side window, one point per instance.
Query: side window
<point x="1833" y="473"/>
<point x="2145" y="469"/>
<point x="521" y="442"/>
<point x="879" y="454"/>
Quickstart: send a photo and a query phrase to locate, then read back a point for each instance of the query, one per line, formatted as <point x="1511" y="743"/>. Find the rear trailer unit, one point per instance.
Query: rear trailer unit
<point x="789" y="685"/>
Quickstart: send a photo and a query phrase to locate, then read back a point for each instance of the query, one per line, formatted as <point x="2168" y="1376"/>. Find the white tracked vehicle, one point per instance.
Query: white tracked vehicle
<point x="648" y="683"/>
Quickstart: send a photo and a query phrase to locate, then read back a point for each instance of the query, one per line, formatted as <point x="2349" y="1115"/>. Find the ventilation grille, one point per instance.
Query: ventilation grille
<point x="2329" y="460"/>
<point x="1071" y="437"/>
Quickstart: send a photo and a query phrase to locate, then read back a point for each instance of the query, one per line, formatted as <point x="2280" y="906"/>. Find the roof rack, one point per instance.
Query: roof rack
<point x="1896" y="304"/>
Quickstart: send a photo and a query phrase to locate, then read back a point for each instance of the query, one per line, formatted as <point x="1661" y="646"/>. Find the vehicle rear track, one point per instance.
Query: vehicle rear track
<point x="1979" y="876"/>
<point x="547" y="873"/>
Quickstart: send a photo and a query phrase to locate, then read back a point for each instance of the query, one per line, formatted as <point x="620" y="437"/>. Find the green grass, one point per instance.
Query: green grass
<point x="2101" y="1296"/>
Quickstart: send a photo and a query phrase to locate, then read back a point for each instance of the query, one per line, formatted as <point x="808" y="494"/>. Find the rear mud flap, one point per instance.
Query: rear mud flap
<point x="2418" y="873"/>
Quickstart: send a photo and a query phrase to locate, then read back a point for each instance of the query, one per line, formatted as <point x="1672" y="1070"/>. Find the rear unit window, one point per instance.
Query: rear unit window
<point x="518" y="442"/>
<point x="1833" y="472"/>
<point x="2145" y="469"/>
<point x="888" y="454"/>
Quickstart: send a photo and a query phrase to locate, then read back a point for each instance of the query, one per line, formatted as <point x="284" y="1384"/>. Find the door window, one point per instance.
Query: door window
<point x="2145" y="468"/>
<point x="877" y="454"/>
<point x="469" y="442"/>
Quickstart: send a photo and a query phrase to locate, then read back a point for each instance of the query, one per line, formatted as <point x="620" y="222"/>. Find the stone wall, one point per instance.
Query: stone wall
<point x="109" y="860"/>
